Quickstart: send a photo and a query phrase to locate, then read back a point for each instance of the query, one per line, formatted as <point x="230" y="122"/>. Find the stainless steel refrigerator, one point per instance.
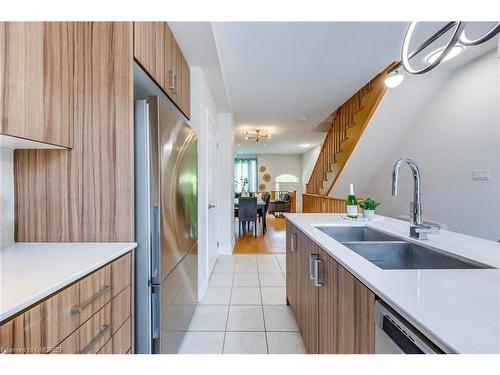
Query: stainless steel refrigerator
<point x="166" y="225"/>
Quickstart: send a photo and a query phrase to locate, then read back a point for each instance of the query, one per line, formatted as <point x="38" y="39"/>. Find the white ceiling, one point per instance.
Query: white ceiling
<point x="271" y="74"/>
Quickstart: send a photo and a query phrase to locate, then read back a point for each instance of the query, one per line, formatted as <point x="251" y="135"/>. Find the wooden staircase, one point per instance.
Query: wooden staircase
<point x="348" y="124"/>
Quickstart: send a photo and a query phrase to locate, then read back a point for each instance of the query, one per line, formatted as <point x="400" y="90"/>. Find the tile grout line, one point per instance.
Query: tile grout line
<point x="228" y="308"/>
<point x="262" y="307"/>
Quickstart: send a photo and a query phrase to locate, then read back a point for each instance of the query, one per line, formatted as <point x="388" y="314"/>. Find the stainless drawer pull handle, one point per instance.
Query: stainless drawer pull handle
<point x="171" y="80"/>
<point x="78" y="309"/>
<point x="312" y="257"/>
<point x="317" y="281"/>
<point x="104" y="329"/>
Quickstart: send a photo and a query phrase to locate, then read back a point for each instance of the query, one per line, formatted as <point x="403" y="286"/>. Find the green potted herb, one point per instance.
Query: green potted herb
<point x="369" y="205"/>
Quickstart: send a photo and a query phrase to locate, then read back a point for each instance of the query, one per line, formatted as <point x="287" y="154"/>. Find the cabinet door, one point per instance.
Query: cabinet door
<point x="307" y="294"/>
<point x="346" y="311"/>
<point x="292" y="244"/>
<point x="150" y="49"/>
<point x="175" y="82"/>
<point x="36" y="71"/>
<point x="185" y="88"/>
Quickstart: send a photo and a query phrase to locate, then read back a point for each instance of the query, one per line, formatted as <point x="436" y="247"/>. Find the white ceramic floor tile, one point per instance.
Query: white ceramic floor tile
<point x="247" y="295"/>
<point x="285" y="343"/>
<point x="273" y="295"/>
<point x="246" y="279"/>
<point x="266" y="258"/>
<point x="202" y="343"/>
<point x="221" y="279"/>
<point x="217" y="295"/>
<point x="226" y="259"/>
<point x="269" y="267"/>
<point x="245" y="343"/>
<point x="209" y="318"/>
<point x="224" y="267"/>
<point x="280" y="318"/>
<point x="281" y="257"/>
<point x="246" y="258"/>
<point x="246" y="268"/>
<point x="272" y="279"/>
<point x="245" y="318"/>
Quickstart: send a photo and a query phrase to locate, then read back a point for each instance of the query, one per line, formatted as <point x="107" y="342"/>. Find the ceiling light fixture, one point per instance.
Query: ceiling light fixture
<point x="474" y="42"/>
<point x="304" y="145"/>
<point x="454" y="52"/>
<point x="257" y="136"/>
<point x="393" y="79"/>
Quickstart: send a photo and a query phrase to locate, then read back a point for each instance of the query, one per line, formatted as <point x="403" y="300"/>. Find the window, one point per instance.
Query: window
<point x="286" y="180"/>
<point x="245" y="168"/>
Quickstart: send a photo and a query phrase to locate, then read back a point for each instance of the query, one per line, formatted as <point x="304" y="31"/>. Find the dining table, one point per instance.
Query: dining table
<point x="260" y="202"/>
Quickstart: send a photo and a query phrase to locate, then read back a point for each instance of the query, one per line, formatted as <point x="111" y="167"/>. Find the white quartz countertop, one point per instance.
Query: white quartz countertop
<point x="30" y="271"/>
<point x="459" y="310"/>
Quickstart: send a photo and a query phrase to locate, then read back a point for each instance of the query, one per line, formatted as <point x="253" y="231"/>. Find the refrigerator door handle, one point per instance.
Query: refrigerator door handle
<point x="155" y="313"/>
<point x="155" y="246"/>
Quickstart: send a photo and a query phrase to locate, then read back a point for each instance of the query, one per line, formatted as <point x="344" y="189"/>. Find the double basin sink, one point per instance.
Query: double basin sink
<point x="393" y="253"/>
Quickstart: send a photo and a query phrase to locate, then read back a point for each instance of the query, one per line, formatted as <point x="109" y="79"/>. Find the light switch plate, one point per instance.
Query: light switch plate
<point x="481" y="175"/>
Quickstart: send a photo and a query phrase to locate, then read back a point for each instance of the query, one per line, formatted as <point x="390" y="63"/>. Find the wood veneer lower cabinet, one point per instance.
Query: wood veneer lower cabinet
<point x="78" y="319"/>
<point x="307" y="294"/>
<point x="292" y="243"/>
<point x="337" y="316"/>
<point x="346" y="311"/>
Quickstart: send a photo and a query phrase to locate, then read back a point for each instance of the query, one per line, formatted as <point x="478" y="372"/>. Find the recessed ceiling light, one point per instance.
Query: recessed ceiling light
<point x="305" y="145"/>
<point x="393" y="79"/>
<point x="302" y="119"/>
<point x="454" y="52"/>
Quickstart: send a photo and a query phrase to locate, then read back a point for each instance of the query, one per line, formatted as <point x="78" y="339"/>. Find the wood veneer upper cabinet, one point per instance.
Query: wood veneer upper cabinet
<point x="307" y="294"/>
<point x="86" y="194"/>
<point x="157" y="51"/>
<point x="346" y="311"/>
<point x="36" y="90"/>
<point x="186" y="88"/>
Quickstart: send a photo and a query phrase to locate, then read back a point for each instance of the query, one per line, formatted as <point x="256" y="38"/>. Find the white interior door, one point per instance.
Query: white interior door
<point x="212" y="191"/>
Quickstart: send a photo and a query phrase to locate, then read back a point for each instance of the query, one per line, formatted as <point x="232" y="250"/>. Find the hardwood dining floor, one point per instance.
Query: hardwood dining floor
<point x="271" y="243"/>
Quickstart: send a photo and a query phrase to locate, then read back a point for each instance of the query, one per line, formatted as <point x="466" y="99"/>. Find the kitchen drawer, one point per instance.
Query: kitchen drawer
<point x="96" y="331"/>
<point x="90" y="337"/>
<point x="43" y="326"/>
<point x="121" y="269"/>
<point x="120" y="342"/>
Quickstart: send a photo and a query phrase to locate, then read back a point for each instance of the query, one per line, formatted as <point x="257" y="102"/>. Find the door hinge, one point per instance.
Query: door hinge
<point x="217" y="145"/>
<point x="218" y="244"/>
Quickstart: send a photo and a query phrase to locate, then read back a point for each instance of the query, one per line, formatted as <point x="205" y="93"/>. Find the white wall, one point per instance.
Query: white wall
<point x="6" y="197"/>
<point x="457" y="132"/>
<point x="203" y="107"/>
<point x="278" y="164"/>
<point x="309" y="159"/>
<point x="225" y="178"/>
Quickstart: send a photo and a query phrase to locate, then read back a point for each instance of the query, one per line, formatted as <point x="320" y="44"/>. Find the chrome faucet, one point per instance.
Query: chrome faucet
<point x="417" y="229"/>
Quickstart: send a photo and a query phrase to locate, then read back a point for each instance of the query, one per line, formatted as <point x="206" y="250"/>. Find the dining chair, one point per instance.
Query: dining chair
<point x="262" y="211"/>
<point x="247" y="212"/>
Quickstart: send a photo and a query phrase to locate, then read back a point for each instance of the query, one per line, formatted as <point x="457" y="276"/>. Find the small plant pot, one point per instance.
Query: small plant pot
<point x="368" y="214"/>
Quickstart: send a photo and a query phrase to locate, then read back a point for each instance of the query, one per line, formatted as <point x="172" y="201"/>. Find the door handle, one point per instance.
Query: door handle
<point x="211" y="206"/>
<point x="311" y="266"/>
<point x="317" y="262"/>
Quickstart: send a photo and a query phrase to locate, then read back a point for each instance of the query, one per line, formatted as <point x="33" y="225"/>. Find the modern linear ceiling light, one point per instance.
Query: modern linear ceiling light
<point x="405" y="53"/>
<point x="474" y="42"/>
<point x="453" y="47"/>
<point x="257" y="136"/>
<point x="454" y="52"/>
<point x="393" y="79"/>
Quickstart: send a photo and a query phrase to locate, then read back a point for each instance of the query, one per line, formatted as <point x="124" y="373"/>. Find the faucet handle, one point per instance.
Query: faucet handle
<point x="422" y="231"/>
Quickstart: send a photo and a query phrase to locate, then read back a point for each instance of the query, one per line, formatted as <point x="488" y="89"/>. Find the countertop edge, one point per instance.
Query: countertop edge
<point x="33" y="300"/>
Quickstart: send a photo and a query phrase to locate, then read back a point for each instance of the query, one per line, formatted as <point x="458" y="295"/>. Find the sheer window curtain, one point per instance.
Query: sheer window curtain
<point x="245" y="168"/>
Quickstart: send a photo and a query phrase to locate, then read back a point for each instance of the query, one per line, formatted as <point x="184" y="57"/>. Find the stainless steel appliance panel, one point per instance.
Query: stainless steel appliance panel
<point x="178" y="299"/>
<point x="177" y="148"/>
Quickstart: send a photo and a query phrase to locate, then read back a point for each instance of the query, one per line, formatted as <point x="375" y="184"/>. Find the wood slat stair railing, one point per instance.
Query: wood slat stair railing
<point x="348" y="124"/>
<point x="322" y="204"/>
